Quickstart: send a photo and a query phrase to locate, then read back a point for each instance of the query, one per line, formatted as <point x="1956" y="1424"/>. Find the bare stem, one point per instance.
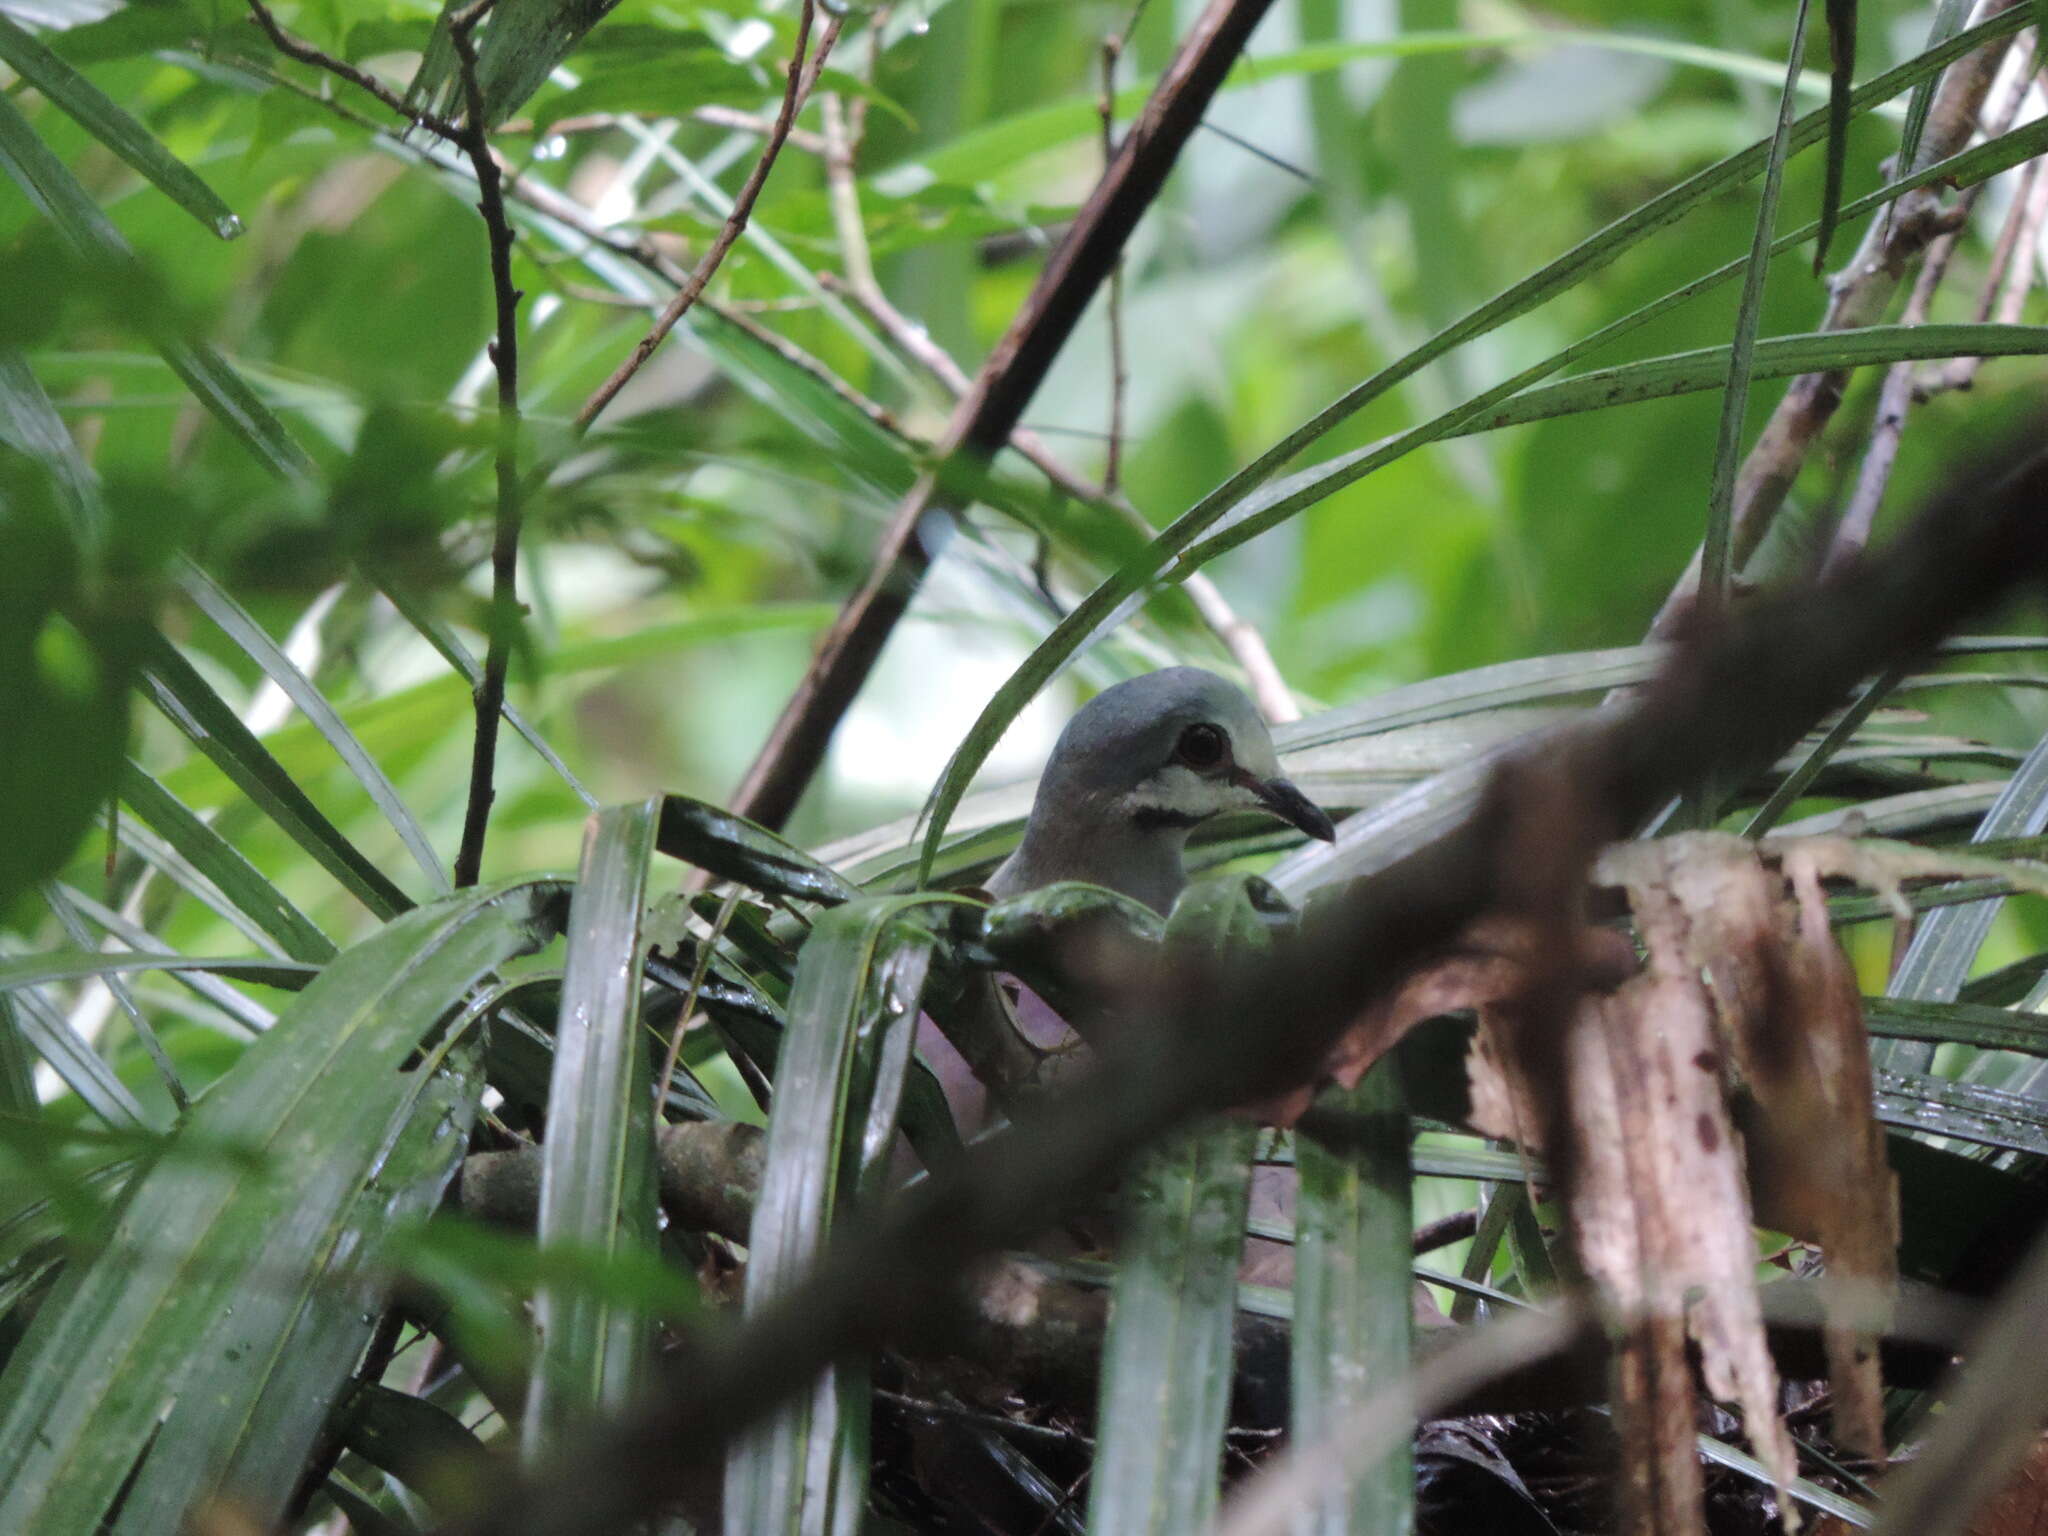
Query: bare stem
<point x="799" y="81"/>
<point x="2006" y="284"/>
<point x="474" y="140"/>
<point x="298" y="48"/>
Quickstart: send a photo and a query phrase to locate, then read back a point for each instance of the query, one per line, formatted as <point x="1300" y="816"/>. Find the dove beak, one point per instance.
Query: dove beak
<point x="1288" y="803"/>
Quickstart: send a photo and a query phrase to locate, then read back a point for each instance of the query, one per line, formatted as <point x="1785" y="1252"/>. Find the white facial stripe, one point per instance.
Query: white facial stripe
<point x="1177" y="790"/>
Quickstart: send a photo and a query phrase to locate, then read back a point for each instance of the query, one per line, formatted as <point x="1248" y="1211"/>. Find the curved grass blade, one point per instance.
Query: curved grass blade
<point x="852" y="1016"/>
<point x="29" y="423"/>
<point x="733" y="848"/>
<point x="56" y="193"/>
<point x="1353" y="1309"/>
<point x="78" y="98"/>
<point x="235" y="622"/>
<point x="1717" y="544"/>
<point x="1987" y="1028"/>
<point x="1588" y="256"/>
<point x="251" y="1016"/>
<point x="597" y="1163"/>
<point x="1948" y="16"/>
<point x="1944" y="947"/>
<point x="75" y="929"/>
<point x="1800" y="779"/>
<point x="201" y="1347"/>
<point x="190" y="703"/>
<point x="1841" y="72"/>
<point x="456" y="654"/>
<point x="1167" y="1356"/>
<point x="77" y="1065"/>
<point x="232" y="875"/>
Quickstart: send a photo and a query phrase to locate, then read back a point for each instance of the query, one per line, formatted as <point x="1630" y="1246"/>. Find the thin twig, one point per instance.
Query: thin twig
<point x="298" y="48"/>
<point x="799" y="81"/>
<point x="1858" y="296"/>
<point x="504" y="351"/>
<point x="1119" y="375"/>
<point x="2006" y="283"/>
<point x="989" y="413"/>
<point x="1239" y="636"/>
<point x="843" y="190"/>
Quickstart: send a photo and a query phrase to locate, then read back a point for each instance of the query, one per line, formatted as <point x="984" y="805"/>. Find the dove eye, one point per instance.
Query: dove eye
<point x="1202" y="747"/>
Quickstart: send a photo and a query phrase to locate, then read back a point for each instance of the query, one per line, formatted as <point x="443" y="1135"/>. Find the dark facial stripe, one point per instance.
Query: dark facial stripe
<point x="1154" y="818"/>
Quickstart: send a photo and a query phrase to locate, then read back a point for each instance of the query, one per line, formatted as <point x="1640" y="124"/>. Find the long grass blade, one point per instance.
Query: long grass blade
<point x="1944" y="947"/>
<point x="235" y="622"/>
<point x="1718" y="542"/>
<point x="190" y="703"/>
<point x="1841" y="72"/>
<point x="1353" y="1310"/>
<point x="74" y="928"/>
<point x="597" y="1164"/>
<point x="852" y="1014"/>
<point x="78" y="98"/>
<point x="199" y="1350"/>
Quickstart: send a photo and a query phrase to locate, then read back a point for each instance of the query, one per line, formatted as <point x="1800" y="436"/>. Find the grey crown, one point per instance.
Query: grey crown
<point x="1127" y="783"/>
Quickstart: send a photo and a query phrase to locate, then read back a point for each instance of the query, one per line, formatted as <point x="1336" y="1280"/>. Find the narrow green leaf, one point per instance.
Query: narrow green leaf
<point x="1567" y="270"/>
<point x="57" y="195"/>
<point x="235" y="622"/>
<point x="733" y="848"/>
<point x="77" y="1065"/>
<point x="201" y="1348"/>
<point x="190" y="703"/>
<point x="1353" y="1304"/>
<point x="1841" y="75"/>
<point x="235" y="1005"/>
<point x="1788" y="790"/>
<point x="29" y="423"/>
<point x="1949" y="15"/>
<point x="421" y="1444"/>
<point x="1167" y="1357"/>
<point x="80" y="965"/>
<point x="1937" y="1106"/>
<point x="597" y="1164"/>
<point x="1990" y="1029"/>
<point x="456" y="654"/>
<point x="77" y="97"/>
<point x="231" y="874"/>
<point x="1945" y="944"/>
<point x="1716" y="548"/>
<point x="75" y="929"/>
<point x="517" y="46"/>
<point x="851" y="1020"/>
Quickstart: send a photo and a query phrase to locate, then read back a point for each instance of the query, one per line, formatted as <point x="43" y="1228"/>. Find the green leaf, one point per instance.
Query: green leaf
<point x="1353" y="1302"/>
<point x="517" y="47"/>
<point x="77" y="97"/>
<point x="656" y="85"/>
<point x="1949" y="16"/>
<point x="1945" y="944"/>
<point x="234" y="621"/>
<point x="29" y="423"/>
<point x="1566" y="271"/>
<point x="201" y="1348"/>
<point x="1167" y="1360"/>
<point x="239" y="881"/>
<point x="1937" y="1106"/>
<point x="839" y="1076"/>
<point x="597" y="1164"/>
<point x="1990" y="1029"/>
<point x="421" y="1444"/>
<point x="74" y="928"/>
<point x="77" y="1065"/>
<point x="1716" y="547"/>
<point x="190" y="703"/>
<point x="733" y="848"/>
<point x="56" y="193"/>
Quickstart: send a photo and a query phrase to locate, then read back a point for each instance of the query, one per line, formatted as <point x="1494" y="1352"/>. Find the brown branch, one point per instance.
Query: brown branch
<point x="489" y="697"/>
<point x="1858" y="296"/>
<point x="298" y="48"/>
<point x="991" y="410"/>
<point x="1729" y="698"/>
<point x="2006" y="283"/>
<point x="799" y="81"/>
<point x="1239" y="636"/>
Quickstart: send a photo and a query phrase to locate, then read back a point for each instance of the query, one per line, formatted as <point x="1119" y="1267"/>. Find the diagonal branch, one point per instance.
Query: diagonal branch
<point x="1858" y="296"/>
<point x="991" y="410"/>
<point x="798" y="87"/>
